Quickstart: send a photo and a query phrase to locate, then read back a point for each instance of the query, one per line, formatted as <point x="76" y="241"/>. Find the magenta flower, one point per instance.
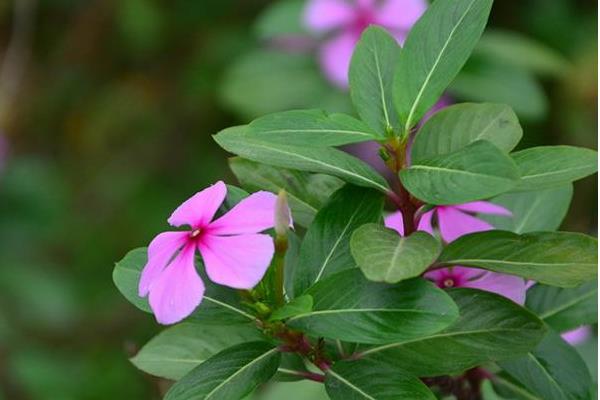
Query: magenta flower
<point x="233" y="251"/>
<point x="344" y="21"/>
<point x="453" y="222"/>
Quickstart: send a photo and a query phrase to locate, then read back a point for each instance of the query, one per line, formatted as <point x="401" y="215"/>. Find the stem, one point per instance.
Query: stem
<point x="281" y="246"/>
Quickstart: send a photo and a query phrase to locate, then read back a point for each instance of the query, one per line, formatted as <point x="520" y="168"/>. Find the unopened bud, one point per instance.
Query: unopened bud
<point x="283" y="217"/>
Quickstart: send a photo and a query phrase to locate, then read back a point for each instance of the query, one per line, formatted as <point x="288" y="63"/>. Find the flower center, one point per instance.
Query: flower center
<point x="448" y="282"/>
<point x="195" y="233"/>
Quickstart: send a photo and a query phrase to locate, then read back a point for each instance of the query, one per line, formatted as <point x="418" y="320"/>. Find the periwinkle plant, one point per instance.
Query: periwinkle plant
<point x="431" y="303"/>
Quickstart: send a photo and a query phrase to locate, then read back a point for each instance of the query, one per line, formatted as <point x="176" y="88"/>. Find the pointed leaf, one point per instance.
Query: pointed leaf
<point x="553" y="370"/>
<point x="437" y="47"/>
<point x="323" y="160"/>
<point x="350" y="308"/>
<point x="385" y="256"/>
<point x="475" y="172"/>
<point x="551" y="166"/>
<point x="555" y="258"/>
<point x="565" y="309"/>
<point x="490" y="328"/>
<point x="309" y="128"/>
<point x="229" y="375"/>
<point x="178" y="349"/>
<point x="371" y="79"/>
<point x="542" y="210"/>
<point x="373" y="380"/>
<point x="326" y="246"/>
<point x="459" y="125"/>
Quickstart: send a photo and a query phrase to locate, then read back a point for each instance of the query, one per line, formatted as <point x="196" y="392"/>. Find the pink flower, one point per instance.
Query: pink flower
<point x="578" y="335"/>
<point x="233" y="251"/>
<point x="453" y="222"/>
<point x="344" y="21"/>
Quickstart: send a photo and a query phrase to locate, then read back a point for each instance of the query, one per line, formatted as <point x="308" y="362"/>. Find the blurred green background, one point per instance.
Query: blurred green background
<point x="107" y="109"/>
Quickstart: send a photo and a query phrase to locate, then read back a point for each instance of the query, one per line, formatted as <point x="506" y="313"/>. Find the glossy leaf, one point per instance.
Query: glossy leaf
<point x="490" y="328"/>
<point x="371" y="78"/>
<point x="306" y="192"/>
<point x="373" y="380"/>
<point x="323" y="160"/>
<point x="349" y="307"/>
<point x="542" y="210"/>
<point x="553" y="371"/>
<point x="554" y="258"/>
<point x="457" y="126"/>
<point x="565" y="309"/>
<point x="477" y="171"/>
<point x="436" y="49"/>
<point x="385" y="256"/>
<point x="550" y="166"/>
<point x="228" y="375"/>
<point x="326" y="246"/>
<point x="178" y="349"/>
<point x="126" y="276"/>
<point x="309" y="128"/>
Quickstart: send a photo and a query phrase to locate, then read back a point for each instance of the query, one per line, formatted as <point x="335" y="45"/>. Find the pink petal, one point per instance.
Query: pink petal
<point x="454" y="223"/>
<point x="237" y="261"/>
<point x="400" y="14"/>
<point x="425" y="222"/>
<point x="395" y="221"/>
<point x="178" y="290"/>
<point x="252" y="215"/>
<point x="577" y="335"/>
<point x="509" y="286"/>
<point x="199" y="209"/>
<point x="335" y="58"/>
<point x="324" y="15"/>
<point x="161" y="250"/>
<point x="484" y="207"/>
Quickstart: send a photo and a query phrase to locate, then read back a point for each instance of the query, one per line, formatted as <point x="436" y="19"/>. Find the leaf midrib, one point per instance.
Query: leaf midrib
<point x="573" y="302"/>
<point x="350" y="385"/>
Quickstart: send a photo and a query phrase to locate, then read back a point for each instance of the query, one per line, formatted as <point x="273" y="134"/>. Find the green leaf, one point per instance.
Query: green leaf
<point x="550" y="166"/>
<point x="299" y="305"/>
<point x="385" y="256"/>
<point x="556" y="258"/>
<point x="280" y="19"/>
<point x="220" y="305"/>
<point x="323" y="160"/>
<point x="457" y="126"/>
<point x="490" y="328"/>
<point x="436" y="49"/>
<point x="126" y="276"/>
<point x="265" y="81"/>
<point x="371" y="78"/>
<point x="373" y="380"/>
<point x="306" y="192"/>
<point x="229" y="375"/>
<point x="477" y="171"/>
<point x="553" y="371"/>
<point x="326" y="246"/>
<point x="349" y="307"/>
<point x="542" y="210"/>
<point x="522" y="52"/>
<point x="565" y="309"/>
<point x="488" y="81"/>
<point x="178" y="349"/>
<point x="311" y="128"/>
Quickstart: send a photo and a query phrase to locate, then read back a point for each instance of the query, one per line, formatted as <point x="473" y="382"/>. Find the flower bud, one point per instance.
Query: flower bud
<point x="283" y="217"/>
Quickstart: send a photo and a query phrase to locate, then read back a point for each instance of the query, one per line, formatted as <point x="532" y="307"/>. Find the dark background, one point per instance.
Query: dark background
<point x="107" y="109"/>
